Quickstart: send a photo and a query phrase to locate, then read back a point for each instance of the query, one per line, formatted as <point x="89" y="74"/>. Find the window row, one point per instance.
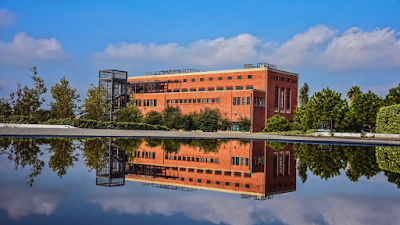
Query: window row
<point x="283" y="79"/>
<point x="281" y="100"/>
<point x="216" y="172"/>
<point x="228" y="88"/>
<point x="193" y="101"/>
<point x="193" y="159"/>
<point x="150" y="155"/>
<point x="216" y="182"/>
<point x="219" y="78"/>
<point x="146" y="102"/>
<point x="243" y="162"/>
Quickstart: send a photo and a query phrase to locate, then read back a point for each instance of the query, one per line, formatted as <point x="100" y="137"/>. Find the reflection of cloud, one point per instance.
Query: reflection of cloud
<point x="221" y="208"/>
<point x="22" y="201"/>
<point x="24" y="49"/>
<point x="7" y="18"/>
<point x="318" y="46"/>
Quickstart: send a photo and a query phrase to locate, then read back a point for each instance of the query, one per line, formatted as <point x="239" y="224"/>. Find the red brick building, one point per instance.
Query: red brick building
<point x="256" y="92"/>
<point x="252" y="169"/>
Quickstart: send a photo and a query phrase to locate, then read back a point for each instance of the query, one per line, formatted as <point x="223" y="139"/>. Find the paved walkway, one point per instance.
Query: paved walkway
<point x="82" y="133"/>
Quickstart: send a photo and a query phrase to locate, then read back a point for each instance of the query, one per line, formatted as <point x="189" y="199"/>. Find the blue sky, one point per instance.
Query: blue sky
<point x="334" y="44"/>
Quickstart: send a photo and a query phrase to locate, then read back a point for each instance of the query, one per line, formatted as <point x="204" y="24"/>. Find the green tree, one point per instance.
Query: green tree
<point x="172" y="117"/>
<point x="25" y="101"/>
<point x="94" y="151"/>
<point x="363" y="111"/>
<point x="129" y="114"/>
<point x="65" y="100"/>
<point x="63" y="157"/>
<point x="5" y="108"/>
<point x="303" y="94"/>
<point x="354" y="92"/>
<point x="95" y="106"/>
<point x="393" y="97"/>
<point x="277" y="123"/>
<point x="188" y="123"/>
<point x="324" y="105"/>
<point x="225" y="124"/>
<point x="302" y="171"/>
<point x="244" y="123"/>
<point x="209" y="119"/>
<point x="153" y="118"/>
<point x="362" y="162"/>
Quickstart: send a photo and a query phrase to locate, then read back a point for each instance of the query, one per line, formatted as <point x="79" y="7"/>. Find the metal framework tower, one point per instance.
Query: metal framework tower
<point x="113" y="172"/>
<point x="115" y="83"/>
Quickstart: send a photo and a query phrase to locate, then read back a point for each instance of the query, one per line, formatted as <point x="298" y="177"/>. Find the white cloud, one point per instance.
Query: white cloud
<point x="356" y="49"/>
<point x="24" y="50"/>
<point x="319" y="46"/>
<point x="7" y="18"/>
<point x="21" y="201"/>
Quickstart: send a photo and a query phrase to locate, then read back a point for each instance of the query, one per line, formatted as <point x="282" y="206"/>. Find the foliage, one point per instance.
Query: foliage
<point x="130" y="113"/>
<point x="19" y="119"/>
<point x="302" y="171"/>
<point x="5" y="108"/>
<point x="94" y="150"/>
<point x="63" y="157"/>
<point x="94" y="124"/>
<point x="95" y="106"/>
<point x="188" y="123"/>
<point x="153" y="118"/>
<point x="388" y="120"/>
<point x="129" y="145"/>
<point x="208" y="119"/>
<point x="393" y="97"/>
<point x="277" y="123"/>
<point x="287" y="133"/>
<point x="172" y="117"/>
<point x="363" y="111"/>
<point x="244" y="124"/>
<point x="354" y="92"/>
<point x="362" y="162"/>
<point x="303" y="94"/>
<point x="324" y="105"/>
<point x="225" y="124"/>
<point x="27" y="101"/>
<point x="65" y="100"/>
<point x="276" y="145"/>
<point x="388" y="158"/>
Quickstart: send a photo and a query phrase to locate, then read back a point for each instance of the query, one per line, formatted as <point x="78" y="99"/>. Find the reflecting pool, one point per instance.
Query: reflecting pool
<point x="195" y="181"/>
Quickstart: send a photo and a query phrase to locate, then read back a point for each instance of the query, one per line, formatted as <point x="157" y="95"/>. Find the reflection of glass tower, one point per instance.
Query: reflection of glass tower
<point x="253" y="170"/>
<point x="112" y="173"/>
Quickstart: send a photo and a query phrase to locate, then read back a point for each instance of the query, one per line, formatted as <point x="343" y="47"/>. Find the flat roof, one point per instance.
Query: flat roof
<point x="214" y="72"/>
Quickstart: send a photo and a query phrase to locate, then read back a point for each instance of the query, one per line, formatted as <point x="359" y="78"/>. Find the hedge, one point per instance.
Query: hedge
<point x="388" y="158"/>
<point x="19" y="119"/>
<point x="388" y="120"/>
<point x="94" y="124"/>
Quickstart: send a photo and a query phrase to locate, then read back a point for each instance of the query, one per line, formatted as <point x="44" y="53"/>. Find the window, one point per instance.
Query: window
<point x="239" y="77"/>
<point x="288" y="80"/>
<point x="217" y="172"/>
<point x="276" y="99"/>
<point x="176" y="90"/>
<point x="167" y="101"/>
<point x="229" y="88"/>
<point x="184" y="90"/>
<point x="283" y="79"/>
<point x="213" y="100"/>
<point x="277" y="78"/>
<point x="188" y="158"/>
<point x="236" y="184"/>
<point x="229" y="78"/>
<point x="152" y="102"/>
<point x="179" y="158"/>
<point x="247" y="174"/>
<point x="202" y="159"/>
<point x="208" y="181"/>
<point x="282" y="99"/>
<point x="247" y="162"/>
<point x="219" y="78"/>
<point x="210" y="78"/>
<point x="192" y="159"/>
<point x="249" y="87"/>
<point x="190" y="100"/>
<point x="237" y="161"/>
<point x="199" y="171"/>
<point x="199" y="180"/>
<point x="238" y="100"/>
<point x="192" y="89"/>
<point x="287" y="100"/>
<point x="211" y="89"/>
<point x="227" y="183"/>
<point x="185" y="101"/>
<point x="180" y="101"/>
<point x="249" y="76"/>
<point x="202" y="89"/>
<point x="208" y="100"/>
<point x="182" y="169"/>
<point x="182" y="179"/>
<point x="166" y="156"/>
<point x="217" y="182"/>
<point x="248" y="100"/>
<point x="227" y="173"/>
<point x="197" y="159"/>
<point x="198" y="100"/>
<point x="207" y="159"/>
<point x="204" y="100"/>
<point x="193" y="80"/>
<point x="211" y="160"/>
<point x="247" y="186"/>
<point x="190" y="179"/>
<point x="191" y="170"/>
<point x="244" y="101"/>
<point x="218" y="99"/>
<point x="242" y="161"/>
<point x="239" y="87"/>
<point x="201" y="79"/>
<point x="155" y="102"/>
<point x="174" y="157"/>
<point x="216" y="161"/>
<point x="208" y="171"/>
<point x="220" y="88"/>
<point x="234" y="101"/>
<point x="184" y="80"/>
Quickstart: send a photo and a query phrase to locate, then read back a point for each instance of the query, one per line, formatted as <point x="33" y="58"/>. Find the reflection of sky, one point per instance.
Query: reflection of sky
<point x="76" y="199"/>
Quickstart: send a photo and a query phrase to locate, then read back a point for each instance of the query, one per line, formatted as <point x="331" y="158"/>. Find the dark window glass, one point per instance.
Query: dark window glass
<point x="239" y="77"/>
<point x="190" y="100"/>
<point x="182" y="179"/>
<point x="217" y="182"/>
<point x="229" y="88"/>
<point x="237" y="161"/>
<point x="239" y="87"/>
<point x="199" y="180"/>
<point x="227" y="183"/>
<point x="202" y="89"/>
<point x="213" y="100"/>
<point x="176" y="90"/>
<point x="193" y="80"/>
<point x="249" y="76"/>
<point x="244" y="101"/>
<point x="180" y="101"/>
<point x="247" y="161"/>
<point x="247" y="186"/>
<point x="233" y="161"/>
<point x="201" y="79"/>
<point x="236" y="184"/>
<point x="248" y="100"/>
<point x="288" y="100"/>
<point x="220" y="88"/>
<point x="184" y="90"/>
<point x="276" y="99"/>
<point x="249" y="87"/>
<point x="218" y="99"/>
<point x="210" y="78"/>
<point x="210" y="89"/>
<point x="190" y="179"/>
<point x="198" y="100"/>
<point x="282" y="99"/>
<point x="238" y="100"/>
<point x="185" y="101"/>
<point x="234" y="101"/>
<point x="184" y="80"/>
<point x="167" y="101"/>
<point x="192" y="89"/>
<point x="155" y="102"/>
<point x="219" y="78"/>
<point x="208" y="100"/>
<point x="229" y="78"/>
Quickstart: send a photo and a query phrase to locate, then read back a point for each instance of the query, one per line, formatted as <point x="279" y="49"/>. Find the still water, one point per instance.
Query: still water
<point x="172" y="181"/>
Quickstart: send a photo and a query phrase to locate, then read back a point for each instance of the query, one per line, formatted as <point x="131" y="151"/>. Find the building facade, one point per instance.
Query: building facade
<point x="256" y="92"/>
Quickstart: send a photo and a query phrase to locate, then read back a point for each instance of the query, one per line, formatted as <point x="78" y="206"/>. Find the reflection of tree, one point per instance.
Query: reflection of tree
<point x="24" y="152"/>
<point x="276" y="145"/>
<point x="393" y="178"/>
<point x="388" y="159"/>
<point x="362" y="162"/>
<point x="302" y="171"/>
<point x="94" y="151"/>
<point x="153" y="142"/>
<point x="173" y="145"/>
<point x="129" y="145"/>
<point x="325" y="164"/>
<point x="63" y="156"/>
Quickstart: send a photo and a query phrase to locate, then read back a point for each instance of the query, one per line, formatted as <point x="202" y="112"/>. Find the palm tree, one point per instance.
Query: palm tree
<point x="354" y="91"/>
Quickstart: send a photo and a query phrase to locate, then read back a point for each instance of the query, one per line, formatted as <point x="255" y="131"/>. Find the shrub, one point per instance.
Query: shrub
<point x="277" y="123"/>
<point x="388" y="120"/>
<point x="388" y="158"/>
<point x="19" y="119"/>
<point x="153" y="118"/>
<point x="244" y="124"/>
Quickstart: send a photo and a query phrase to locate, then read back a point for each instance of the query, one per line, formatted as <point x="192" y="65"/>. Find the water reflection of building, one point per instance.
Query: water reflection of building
<point x="111" y="171"/>
<point x="252" y="170"/>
